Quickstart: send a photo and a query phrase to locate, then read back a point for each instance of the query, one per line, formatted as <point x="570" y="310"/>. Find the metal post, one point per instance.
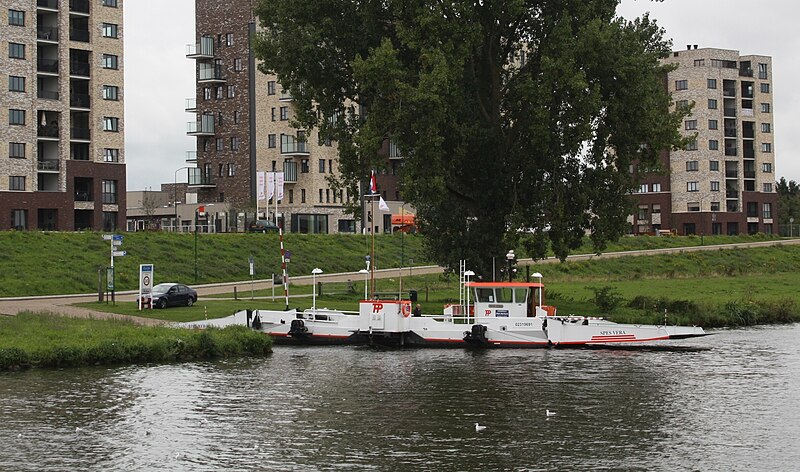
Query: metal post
<point x="195" y="246"/>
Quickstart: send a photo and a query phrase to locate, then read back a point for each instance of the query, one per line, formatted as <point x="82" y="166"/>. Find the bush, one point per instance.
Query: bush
<point x="606" y="299"/>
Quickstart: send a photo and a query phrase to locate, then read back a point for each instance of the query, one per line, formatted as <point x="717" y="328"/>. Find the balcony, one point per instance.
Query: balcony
<point x="285" y="96"/>
<point x="48" y="165"/>
<point x="48" y="131"/>
<point x="78" y="68"/>
<point x="199" y="179"/>
<point x="749" y="174"/>
<point x="80" y="134"/>
<point x="47" y="33"/>
<point x="191" y="157"/>
<point x="290" y="172"/>
<point x="730" y="111"/>
<point x="81" y="35"/>
<point x="292" y="147"/>
<point x="745" y="72"/>
<point x="731" y="174"/>
<point x="731" y="194"/>
<point x="210" y="73"/>
<point x="202" y="50"/>
<point x="191" y="105"/>
<point x="47" y="94"/>
<point x="79" y="100"/>
<point x="204" y="128"/>
<point x="730" y="132"/>
<point x="49" y="66"/>
<point x="48" y="4"/>
<point x="79" y="6"/>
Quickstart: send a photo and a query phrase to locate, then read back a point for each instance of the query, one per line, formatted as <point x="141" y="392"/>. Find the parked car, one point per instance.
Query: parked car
<point x="172" y="294"/>
<point x="263" y="226"/>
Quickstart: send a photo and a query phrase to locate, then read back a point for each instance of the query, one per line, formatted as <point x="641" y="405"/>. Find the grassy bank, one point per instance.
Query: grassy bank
<point x="42" y="340"/>
<point x="60" y="263"/>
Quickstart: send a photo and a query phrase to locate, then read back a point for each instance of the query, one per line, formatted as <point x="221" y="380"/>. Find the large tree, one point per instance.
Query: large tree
<point x="511" y="115"/>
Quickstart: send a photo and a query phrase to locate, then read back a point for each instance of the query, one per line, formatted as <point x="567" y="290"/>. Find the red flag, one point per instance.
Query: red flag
<point x="373" y="184"/>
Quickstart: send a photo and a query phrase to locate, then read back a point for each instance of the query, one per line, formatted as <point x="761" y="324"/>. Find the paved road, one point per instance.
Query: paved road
<point x="62" y="304"/>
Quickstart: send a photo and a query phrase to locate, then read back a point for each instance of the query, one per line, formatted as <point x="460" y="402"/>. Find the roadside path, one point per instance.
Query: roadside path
<point x="63" y="304"/>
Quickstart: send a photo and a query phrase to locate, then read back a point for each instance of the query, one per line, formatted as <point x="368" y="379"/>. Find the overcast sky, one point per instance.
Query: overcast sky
<point x="159" y="78"/>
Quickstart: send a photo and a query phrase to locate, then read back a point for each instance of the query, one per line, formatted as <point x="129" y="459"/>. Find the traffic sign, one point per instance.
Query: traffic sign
<point x="119" y="253"/>
<point x="117" y="237"/>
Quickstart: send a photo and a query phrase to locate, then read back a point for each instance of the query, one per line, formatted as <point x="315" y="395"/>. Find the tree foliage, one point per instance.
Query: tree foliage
<point x="515" y="114"/>
<point x="788" y="201"/>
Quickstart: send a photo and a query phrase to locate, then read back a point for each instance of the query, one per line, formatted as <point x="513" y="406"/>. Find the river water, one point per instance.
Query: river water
<point x="724" y="402"/>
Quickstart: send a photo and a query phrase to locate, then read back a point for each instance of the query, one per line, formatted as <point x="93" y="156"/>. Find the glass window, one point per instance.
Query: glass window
<point x="765" y="108"/>
<point x="767" y="187"/>
<point x="237" y="64"/>
<point x="762" y="71"/>
<point x="712" y="104"/>
<point x="692" y="166"/>
<point x="220" y="144"/>
<point x="110" y="123"/>
<point x="229" y="39"/>
<point x="234" y="143"/>
<point x="691" y="145"/>
<point x="766" y="128"/>
<point x="713" y="144"/>
<point x="19" y="219"/>
<point x="16" y="83"/>
<point x="764" y="88"/>
<point x="656" y="187"/>
<point x="766" y="147"/>
<point x="766" y="167"/>
<point x="271" y="141"/>
<point x="504" y="294"/>
<point x="322" y="166"/>
<point x="109" y="191"/>
<point x="691" y="186"/>
<point x="110" y="61"/>
<point x="16" y="17"/>
<point x="110" y="92"/>
<point x="16" y="182"/>
<point x="711" y="83"/>
<point x="271" y="87"/>
<point x="16" y="150"/>
<point x="690" y="124"/>
<point x="231" y="91"/>
<point x="16" y="117"/>
<point x="714" y="186"/>
<point x="713" y="124"/>
<point x="284" y="113"/>
<point x="713" y="165"/>
<point x="16" y="51"/>
<point x="643" y="188"/>
<point x="110" y="30"/>
<point x="110" y="3"/>
<point x="681" y="84"/>
<point x="110" y="155"/>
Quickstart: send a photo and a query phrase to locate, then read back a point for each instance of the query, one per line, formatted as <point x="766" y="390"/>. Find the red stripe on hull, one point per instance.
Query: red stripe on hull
<point x="660" y="338"/>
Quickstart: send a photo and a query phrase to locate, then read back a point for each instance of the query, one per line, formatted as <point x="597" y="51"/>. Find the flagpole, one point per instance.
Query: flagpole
<point x="372" y="257"/>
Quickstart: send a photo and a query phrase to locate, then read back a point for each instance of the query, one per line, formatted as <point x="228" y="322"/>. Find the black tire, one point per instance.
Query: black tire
<point x="162" y="303"/>
<point x="190" y="301"/>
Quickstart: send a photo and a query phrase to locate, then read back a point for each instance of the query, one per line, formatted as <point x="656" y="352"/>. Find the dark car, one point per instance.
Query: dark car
<point x="263" y="226"/>
<point x="171" y="294"/>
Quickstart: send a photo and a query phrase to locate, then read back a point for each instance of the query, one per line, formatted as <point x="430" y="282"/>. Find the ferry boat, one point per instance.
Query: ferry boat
<point x="502" y="314"/>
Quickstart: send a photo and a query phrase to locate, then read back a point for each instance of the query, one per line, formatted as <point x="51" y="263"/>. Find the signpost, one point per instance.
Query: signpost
<point x="252" y="277"/>
<point x="116" y="242"/>
<point x="145" y="285"/>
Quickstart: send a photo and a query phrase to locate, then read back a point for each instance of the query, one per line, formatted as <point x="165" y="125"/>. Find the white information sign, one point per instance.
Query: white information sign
<point x="145" y="285"/>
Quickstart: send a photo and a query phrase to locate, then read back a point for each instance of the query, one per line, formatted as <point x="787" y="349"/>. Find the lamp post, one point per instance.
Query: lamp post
<point x="366" y="281"/>
<point x="468" y="274"/>
<point x="539" y="275"/>
<point x="175" y="194"/>
<point x="510" y="258"/>
<point x="314" y="281"/>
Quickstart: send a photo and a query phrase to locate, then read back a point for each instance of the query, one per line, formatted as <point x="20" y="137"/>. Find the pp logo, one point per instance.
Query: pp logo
<point x="377" y="307"/>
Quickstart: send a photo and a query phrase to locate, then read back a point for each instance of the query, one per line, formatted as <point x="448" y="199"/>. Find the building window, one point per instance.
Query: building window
<point x="322" y="166"/>
<point x="235" y="143"/>
<point x="272" y="117"/>
<point x="110" y="123"/>
<point x="320" y="195"/>
<point x="207" y="93"/>
<point x="236" y="117"/>
<point x="109" y="191"/>
<point x="762" y="71"/>
<point x="699" y="62"/>
<point x="764" y="88"/>
<point x="16" y="182"/>
<point x="271" y="87"/>
<point x="643" y="188"/>
<point x="291" y="195"/>
<point x="711" y="83"/>
<point x="284" y="113"/>
<point x="302" y="195"/>
<point x="691" y="145"/>
<point x="766" y="147"/>
<point x="220" y="93"/>
<point x="713" y="165"/>
<point x="231" y="169"/>
<point x="752" y="209"/>
<point x="690" y="124"/>
<point x="715" y="207"/>
<point x="692" y="166"/>
<point x="16" y="117"/>
<point x="16" y="17"/>
<point x="656" y="188"/>
<point x="767" y="187"/>
<point x="110" y="30"/>
<point x="681" y="103"/>
<point x="229" y="39"/>
<point x="110" y="3"/>
<point x="766" y="128"/>
<point x="765" y="108"/>
<point x="237" y="64"/>
<point x="110" y="61"/>
<point x="110" y="155"/>
<point x="693" y="206"/>
<point x="766" y="167"/>
<point x="16" y="150"/>
<point x="19" y="219"/>
<point x="713" y="145"/>
<point x="271" y="141"/>
<point x="16" y="51"/>
<point x="691" y="186"/>
<point x="712" y="104"/>
<point x="220" y="144"/>
<point x="767" y="213"/>
<point x="110" y="92"/>
<point x="231" y="91"/>
<point x="16" y="83"/>
<point x="681" y="85"/>
<point x="714" y="186"/>
<point x="713" y="124"/>
<point x="304" y="166"/>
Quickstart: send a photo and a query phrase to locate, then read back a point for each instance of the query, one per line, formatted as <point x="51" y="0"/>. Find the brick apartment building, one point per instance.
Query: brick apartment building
<point x="61" y="116"/>
<point x="724" y="181"/>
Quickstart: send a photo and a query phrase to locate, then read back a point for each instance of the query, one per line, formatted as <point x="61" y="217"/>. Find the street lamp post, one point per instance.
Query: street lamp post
<point x="510" y="258"/>
<point x="175" y="194"/>
<point x="314" y="274"/>
<point x="539" y="275"/>
<point x="366" y="281"/>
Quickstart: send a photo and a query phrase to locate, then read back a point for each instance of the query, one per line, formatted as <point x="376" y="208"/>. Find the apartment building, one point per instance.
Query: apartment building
<point x="62" y="164"/>
<point x="723" y="182"/>
<point x="242" y="123"/>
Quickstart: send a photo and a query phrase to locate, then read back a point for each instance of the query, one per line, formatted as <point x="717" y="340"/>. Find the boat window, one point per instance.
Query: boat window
<point x="535" y="297"/>
<point x="520" y="295"/>
<point x="485" y="295"/>
<point x="505" y="294"/>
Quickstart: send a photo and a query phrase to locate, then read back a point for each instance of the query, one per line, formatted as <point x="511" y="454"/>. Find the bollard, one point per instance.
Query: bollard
<point x="235" y="294"/>
<point x="319" y="289"/>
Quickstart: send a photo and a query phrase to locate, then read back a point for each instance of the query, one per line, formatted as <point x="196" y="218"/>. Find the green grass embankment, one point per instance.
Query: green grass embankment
<point x="42" y="340"/>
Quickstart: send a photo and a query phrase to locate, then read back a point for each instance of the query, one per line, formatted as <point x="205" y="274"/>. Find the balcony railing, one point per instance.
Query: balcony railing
<point x="290" y="172"/>
<point x="83" y="196"/>
<point x="47" y="33"/>
<point x="746" y="72"/>
<point x="747" y="112"/>
<point x="202" y="50"/>
<point x="80" y="133"/>
<point x="79" y="100"/>
<point x="79" y="35"/>
<point x="749" y="174"/>
<point x="211" y="73"/>
<point x="48" y="131"/>
<point x="191" y="104"/>
<point x="730" y="132"/>
<point x="79" y="6"/>
<point x="731" y="174"/>
<point x="191" y="157"/>
<point x="291" y="146"/>
<point x="730" y="111"/>
<point x="198" y="178"/>
<point x="79" y="68"/>
<point x="194" y="128"/>
<point x="48" y="165"/>
<point x="51" y="4"/>
<point x="47" y="65"/>
<point x="731" y="194"/>
<point x="47" y="94"/>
